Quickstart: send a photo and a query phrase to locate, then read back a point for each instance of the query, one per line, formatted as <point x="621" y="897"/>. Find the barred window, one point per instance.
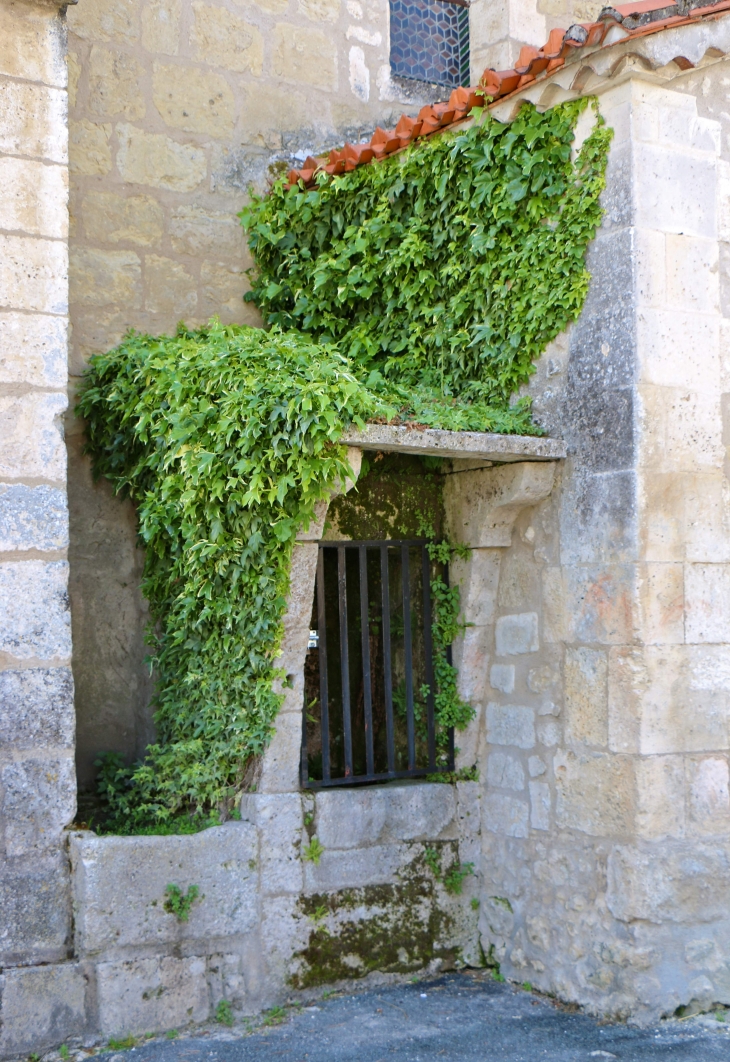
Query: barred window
<point x="429" y="41"/>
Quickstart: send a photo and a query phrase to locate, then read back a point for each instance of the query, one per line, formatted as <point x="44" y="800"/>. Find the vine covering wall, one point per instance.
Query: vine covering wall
<point x="422" y="288"/>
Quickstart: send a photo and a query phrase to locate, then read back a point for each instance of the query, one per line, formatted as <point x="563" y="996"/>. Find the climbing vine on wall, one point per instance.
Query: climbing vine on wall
<point x="423" y="287"/>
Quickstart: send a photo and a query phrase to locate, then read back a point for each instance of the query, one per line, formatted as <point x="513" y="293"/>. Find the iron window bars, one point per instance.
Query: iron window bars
<point x="369" y="689"/>
<point x="429" y="41"/>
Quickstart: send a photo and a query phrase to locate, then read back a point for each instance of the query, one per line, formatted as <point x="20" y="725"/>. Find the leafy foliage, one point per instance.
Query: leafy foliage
<point x="425" y="287"/>
<point x="225" y="439"/>
<point x="444" y="272"/>
<point x="179" y="903"/>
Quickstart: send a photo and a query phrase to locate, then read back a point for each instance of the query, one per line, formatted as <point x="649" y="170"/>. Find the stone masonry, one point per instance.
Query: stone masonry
<point x="596" y="590"/>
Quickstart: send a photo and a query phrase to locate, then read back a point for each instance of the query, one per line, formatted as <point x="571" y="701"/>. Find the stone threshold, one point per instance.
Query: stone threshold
<point x="464" y="445"/>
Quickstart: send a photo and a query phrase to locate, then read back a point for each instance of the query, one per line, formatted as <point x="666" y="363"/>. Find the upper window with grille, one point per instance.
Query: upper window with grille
<point x="429" y="41"/>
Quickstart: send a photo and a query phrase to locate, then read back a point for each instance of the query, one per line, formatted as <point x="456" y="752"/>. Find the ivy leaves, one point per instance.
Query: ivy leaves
<point x="225" y="439"/>
<point x="445" y="270"/>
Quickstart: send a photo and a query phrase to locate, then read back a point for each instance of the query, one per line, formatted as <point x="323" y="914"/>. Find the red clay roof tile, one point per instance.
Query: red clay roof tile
<point x="636" y="20"/>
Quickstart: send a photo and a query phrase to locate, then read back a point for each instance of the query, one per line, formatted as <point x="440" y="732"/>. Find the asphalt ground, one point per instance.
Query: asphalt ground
<point x="462" y="1017"/>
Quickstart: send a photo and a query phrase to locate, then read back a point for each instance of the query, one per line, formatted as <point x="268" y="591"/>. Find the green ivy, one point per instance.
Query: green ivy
<point x="444" y="272"/>
<point x="424" y="287"/>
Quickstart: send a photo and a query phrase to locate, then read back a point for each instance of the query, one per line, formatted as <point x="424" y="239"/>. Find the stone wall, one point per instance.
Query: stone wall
<point x="176" y="107"/>
<point x="606" y="821"/>
<point x="37" y="780"/>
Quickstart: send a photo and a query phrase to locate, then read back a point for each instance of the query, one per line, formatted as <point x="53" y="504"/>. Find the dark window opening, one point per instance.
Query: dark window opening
<point x="369" y="688"/>
<point x="429" y="41"/>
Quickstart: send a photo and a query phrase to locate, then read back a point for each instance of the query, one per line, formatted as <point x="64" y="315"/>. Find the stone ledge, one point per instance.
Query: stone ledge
<point x="462" y="445"/>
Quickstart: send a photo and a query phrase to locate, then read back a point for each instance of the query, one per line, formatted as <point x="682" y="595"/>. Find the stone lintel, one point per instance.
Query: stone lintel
<point x="461" y="445"/>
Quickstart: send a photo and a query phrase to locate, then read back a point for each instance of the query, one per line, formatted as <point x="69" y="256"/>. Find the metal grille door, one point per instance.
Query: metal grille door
<point x="369" y="677"/>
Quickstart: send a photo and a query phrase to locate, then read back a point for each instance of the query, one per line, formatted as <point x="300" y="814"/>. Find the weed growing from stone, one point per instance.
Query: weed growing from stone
<point x="275" y="1016"/>
<point x="179" y="903"/>
<point x="455" y="875"/>
<point x="123" y="1044"/>
<point x="224" y="1013"/>
<point x="313" y="852"/>
<point x="474" y="903"/>
<point x="63" y="1051"/>
<point x="172" y="1034"/>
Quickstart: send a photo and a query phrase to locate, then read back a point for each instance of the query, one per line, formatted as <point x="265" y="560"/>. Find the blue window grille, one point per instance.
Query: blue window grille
<point x="429" y="41"/>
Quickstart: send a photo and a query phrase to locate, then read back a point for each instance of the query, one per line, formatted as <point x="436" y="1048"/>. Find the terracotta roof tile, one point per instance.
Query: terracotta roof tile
<point x="613" y="25"/>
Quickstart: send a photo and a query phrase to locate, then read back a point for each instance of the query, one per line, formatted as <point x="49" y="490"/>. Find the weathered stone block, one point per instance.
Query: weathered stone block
<point x="549" y="732"/>
<point x="34" y="612"/>
<point x="279" y="821"/>
<point x="685" y="172"/>
<point x="33" y="121"/>
<point x="660" y="787"/>
<point x="280" y="767"/>
<point x="34" y="197"/>
<point x="506" y="815"/>
<point x="39" y="799"/>
<point x="89" y="149"/>
<point x="305" y="55"/>
<point x="586" y="697"/>
<point x="505" y="772"/>
<point x="33" y="518"/>
<point x="354" y="868"/>
<point x="33" y="350"/>
<point x="708" y="796"/>
<point x="36" y="709"/>
<point x="36" y="906"/>
<point x="707" y="602"/>
<point x="198" y="231"/>
<point x="120" y="882"/>
<point x="108" y="20"/>
<point x="352" y="818"/>
<point x="502" y="677"/>
<point x="223" y="285"/>
<point x="115" y="80"/>
<point x="30" y="427"/>
<point x="169" y="288"/>
<point x="598" y="604"/>
<point x="156" y="160"/>
<point x="595" y="793"/>
<point x="540" y="805"/>
<point x="34" y="274"/>
<point x="517" y="634"/>
<point x="598" y="517"/>
<point x="101" y="278"/>
<point x="320" y="10"/>
<point x="471" y="652"/>
<point x="677" y="882"/>
<point x="161" y="26"/>
<point x="682" y="429"/>
<point x="221" y="39"/>
<point x="42" y="1007"/>
<point x="109" y="218"/>
<point x="151" y="995"/>
<point x="195" y="100"/>
<point x="510" y="724"/>
<point x="32" y="45"/>
<point x="661" y="595"/>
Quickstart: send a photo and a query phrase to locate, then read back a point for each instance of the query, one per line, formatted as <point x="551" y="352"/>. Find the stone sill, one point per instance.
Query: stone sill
<point x="463" y="445"/>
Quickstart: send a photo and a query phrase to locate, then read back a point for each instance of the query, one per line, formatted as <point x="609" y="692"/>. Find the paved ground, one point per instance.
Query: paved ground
<point x="459" y="1017"/>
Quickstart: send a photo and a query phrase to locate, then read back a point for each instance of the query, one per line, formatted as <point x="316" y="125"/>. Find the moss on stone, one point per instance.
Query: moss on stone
<point x="394" y="928"/>
<point x="397" y="496"/>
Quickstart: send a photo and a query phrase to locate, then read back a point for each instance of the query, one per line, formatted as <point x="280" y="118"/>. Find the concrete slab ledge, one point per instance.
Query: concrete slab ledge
<point x="464" y="445"/>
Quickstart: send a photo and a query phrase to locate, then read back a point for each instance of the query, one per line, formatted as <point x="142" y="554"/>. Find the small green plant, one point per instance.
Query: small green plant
<point x="309" y="818"/>
<point x="34" y="1057"/>
<point x="474" y="903"/>
<point x="455" y="875"/>
<point x="527" y="987"/>
<point x="497" y="976"/>
<point x="172" y="1034"/>
<point x="63" y="1051"/>
<point x="275" y="1016"/>
<point x="464" y="774"/>
<point x="224" y="1013"/>
<point x="313" y="851"/>
<point x="433" y="862"/>
<point x="179" y="903"/>
<point x="124" y="1043"/>
<point x="319" y="913"/>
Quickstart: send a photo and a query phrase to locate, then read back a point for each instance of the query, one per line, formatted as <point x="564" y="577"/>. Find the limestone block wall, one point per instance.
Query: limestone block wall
<point x="37" y="779"/>
<point x="176" y="107"/>
<point x="606" y="825"/>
